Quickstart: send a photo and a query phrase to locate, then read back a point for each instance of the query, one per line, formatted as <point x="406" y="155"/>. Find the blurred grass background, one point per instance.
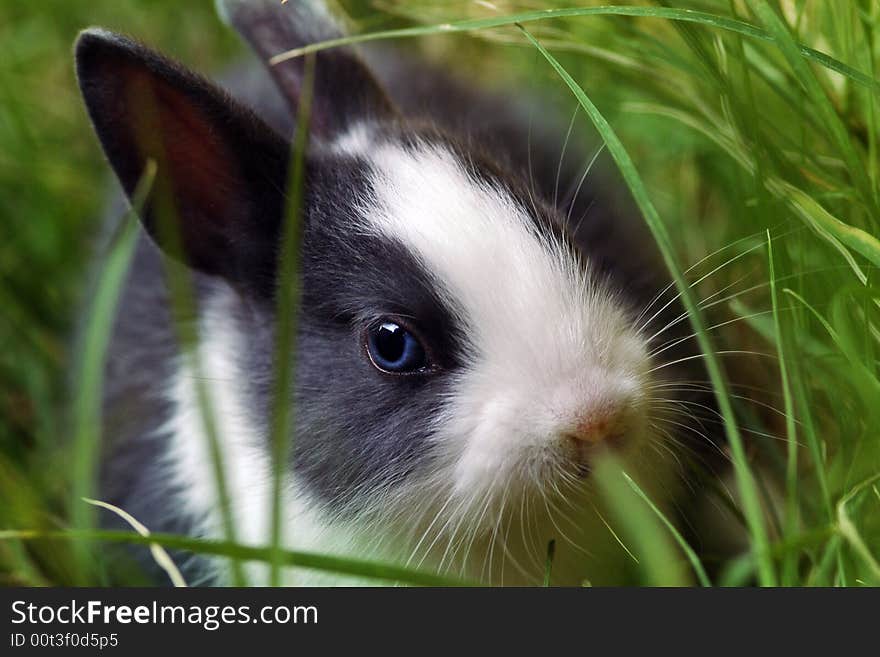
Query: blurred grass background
<point x="731" y="139"/>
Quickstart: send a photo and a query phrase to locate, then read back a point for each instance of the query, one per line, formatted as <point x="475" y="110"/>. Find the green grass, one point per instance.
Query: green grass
<point x="90" y="371"/>
<point x="745" y="129"/>
<point x="288" y="301"/>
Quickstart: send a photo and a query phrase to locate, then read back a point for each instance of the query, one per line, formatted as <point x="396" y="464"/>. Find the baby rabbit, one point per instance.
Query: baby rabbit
<point x="468" y="340"/>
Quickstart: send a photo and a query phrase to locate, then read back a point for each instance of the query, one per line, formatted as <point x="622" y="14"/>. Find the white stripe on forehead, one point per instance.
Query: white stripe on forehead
<point x="519" y="291"/>
<point x="547" y="345"/>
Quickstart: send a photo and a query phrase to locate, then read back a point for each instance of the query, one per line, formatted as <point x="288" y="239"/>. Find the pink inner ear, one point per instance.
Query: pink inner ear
<point x="196" y="164"/>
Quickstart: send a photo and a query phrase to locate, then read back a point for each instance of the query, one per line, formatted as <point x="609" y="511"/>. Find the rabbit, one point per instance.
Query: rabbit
<point x="468" y="341"/>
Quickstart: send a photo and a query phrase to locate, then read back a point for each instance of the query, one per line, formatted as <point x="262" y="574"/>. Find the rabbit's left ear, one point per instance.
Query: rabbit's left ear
<point x="345" y="91"/>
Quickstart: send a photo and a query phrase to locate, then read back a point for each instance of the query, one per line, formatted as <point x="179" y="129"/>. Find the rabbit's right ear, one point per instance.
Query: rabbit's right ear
<point x="345" y="91"/>
<point x="217" y="200"/>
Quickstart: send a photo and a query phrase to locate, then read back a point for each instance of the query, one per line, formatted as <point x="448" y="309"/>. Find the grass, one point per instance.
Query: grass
<point x="288" y="301"/>
<point x="90" y="373"/>
<point x="747" y="132"/>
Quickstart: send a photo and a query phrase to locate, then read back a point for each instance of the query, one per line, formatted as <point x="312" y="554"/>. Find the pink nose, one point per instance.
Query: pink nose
<point x="606" y="426"/>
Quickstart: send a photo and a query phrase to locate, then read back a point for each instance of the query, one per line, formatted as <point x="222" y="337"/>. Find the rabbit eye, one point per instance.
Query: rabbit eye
<point x="394" y="349"/>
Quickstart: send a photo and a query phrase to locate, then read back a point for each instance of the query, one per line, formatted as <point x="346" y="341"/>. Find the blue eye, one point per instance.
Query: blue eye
<point x="394" y="349"/>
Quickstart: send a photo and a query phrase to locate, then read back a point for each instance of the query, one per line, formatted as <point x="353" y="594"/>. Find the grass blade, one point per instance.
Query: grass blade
<point x="657" y="558"/>
<point x="687" y="15"/>
<point x="699" y="571"/>
<point x="849" y="531"/>
<point x="323" y="562"/>
<point x="288" y="291"/>
<point x="789" y="569"/>
<point x="814" y="214"/>
<point x="89" y="380"/>
<point x="160" y="556"/>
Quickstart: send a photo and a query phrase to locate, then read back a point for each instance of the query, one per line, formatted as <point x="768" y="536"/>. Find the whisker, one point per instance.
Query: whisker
<point x="697" y="282"/>
<point x="556" y="526"/>
<point x="720" y="421"/>
<point x="562" y="155"/>
<point x="674" y="343"/>
<point x="744" y="398"/>
<point x="694" y="430"/>
<point x="725" y="352"/>
<point x="703" y="305"/>
<point x="577" y="191"/>
<point x="753" y="236"/>
<point x="706" y="386"/>
<point x="428" y="530"/>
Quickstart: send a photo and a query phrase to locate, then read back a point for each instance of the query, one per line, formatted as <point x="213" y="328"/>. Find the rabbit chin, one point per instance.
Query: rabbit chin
<point x="496" y="534"/>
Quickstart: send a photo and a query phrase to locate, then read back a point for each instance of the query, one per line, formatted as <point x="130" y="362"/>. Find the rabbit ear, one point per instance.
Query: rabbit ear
<point x="345" y="91"/>
<point x="217" y="200"/>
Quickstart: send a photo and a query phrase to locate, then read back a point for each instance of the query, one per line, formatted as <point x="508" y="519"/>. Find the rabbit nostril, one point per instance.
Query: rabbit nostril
<point x="607" y="428"/>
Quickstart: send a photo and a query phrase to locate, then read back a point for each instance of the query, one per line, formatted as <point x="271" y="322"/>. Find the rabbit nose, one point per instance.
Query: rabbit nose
<point x="600" y="427"/>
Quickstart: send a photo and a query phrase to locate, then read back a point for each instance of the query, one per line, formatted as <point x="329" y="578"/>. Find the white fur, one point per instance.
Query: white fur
<point x="356" y="141"/>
